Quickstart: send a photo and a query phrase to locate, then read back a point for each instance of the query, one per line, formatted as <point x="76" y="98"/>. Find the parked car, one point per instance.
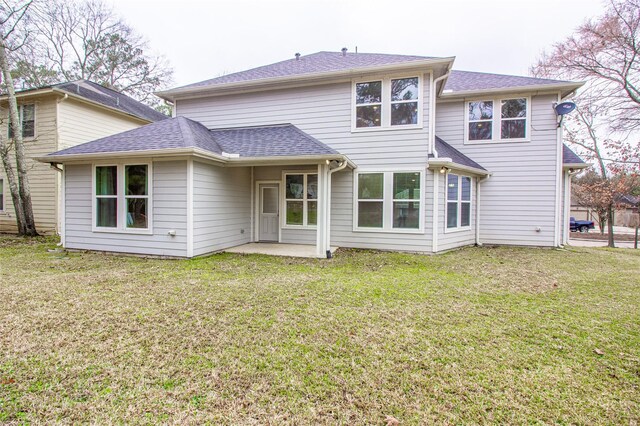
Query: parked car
<point x="580" y="225"/>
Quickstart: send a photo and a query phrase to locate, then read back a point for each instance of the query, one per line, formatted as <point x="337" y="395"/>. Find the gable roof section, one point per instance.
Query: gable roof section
<point x="470" y="82"/>
<point x="179" y="135"/>
<point x="446" y="152"/>
<point x="571" y="158"/>
<point x="94" y="93"/>
<point x="110" y="98"/>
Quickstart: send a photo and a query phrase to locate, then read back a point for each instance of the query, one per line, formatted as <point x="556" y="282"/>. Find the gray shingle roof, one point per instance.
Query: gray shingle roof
<point x="462" y="81"/>
<point x="570" y="157"/>
<point x="310" y="64"/>
<point x="110" y="98"/>
<point x="447" y="151"/>
<point x="180" y="132"/>
<point x="269" y="141"/>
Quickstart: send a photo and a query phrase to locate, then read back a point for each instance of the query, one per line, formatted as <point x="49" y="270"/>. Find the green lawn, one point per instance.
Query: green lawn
<point x="480" y="335"/>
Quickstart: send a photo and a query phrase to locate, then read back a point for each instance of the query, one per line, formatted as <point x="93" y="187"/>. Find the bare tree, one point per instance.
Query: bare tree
<point x="87" y="40"/>
<point x="604" y="53"/>
<point x="13" y="35"/>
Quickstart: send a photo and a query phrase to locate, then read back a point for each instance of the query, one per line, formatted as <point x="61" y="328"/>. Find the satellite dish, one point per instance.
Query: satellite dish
<point x="564" y="107"/>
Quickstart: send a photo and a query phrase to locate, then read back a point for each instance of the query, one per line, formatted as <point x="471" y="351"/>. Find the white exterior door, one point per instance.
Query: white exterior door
<point x="269" y="212"/>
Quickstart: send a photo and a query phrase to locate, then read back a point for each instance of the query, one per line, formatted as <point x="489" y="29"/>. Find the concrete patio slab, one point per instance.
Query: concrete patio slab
<point x="278" y="249"/>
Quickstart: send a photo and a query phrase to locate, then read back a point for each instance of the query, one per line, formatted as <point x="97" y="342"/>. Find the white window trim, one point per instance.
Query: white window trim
<point x="496" y="131"/>
<point x="387" y="202"/>
<point x="35" y="121"/>
<point x="305" y="201"/>
<point x="121" y="220"/>
<point x="385" y="114"/>
<point x="459" y="202"/>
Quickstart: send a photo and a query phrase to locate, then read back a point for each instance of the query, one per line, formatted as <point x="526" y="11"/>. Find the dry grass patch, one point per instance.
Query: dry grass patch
<point x="475" y="336"/>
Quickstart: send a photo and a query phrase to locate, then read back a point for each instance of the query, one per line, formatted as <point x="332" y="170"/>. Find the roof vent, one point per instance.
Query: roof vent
<point x="344" y="51"/>
<point x="297" y="56"/>
<point x="117" y="101"/>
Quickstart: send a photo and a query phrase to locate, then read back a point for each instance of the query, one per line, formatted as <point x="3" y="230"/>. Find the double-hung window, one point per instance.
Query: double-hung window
<point x="458" y="201"/>
<point x="389" y="201"/>
<point x="27" y="115"/>
<point x="301" y="199"/>
<point x="122" y="197"/>
<point x="387" y="103"/>
<point x="498" y="120"/>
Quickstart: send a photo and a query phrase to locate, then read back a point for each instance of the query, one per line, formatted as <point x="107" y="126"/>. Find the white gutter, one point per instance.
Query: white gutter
<point x="570" y="86"/>
<point x="448" y="163"/>
<point x="328" y="230"/>
<point x="298" y="80"/>
<point x="432" y="110"/>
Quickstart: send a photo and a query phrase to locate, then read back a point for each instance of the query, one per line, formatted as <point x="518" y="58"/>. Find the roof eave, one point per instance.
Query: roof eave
<point x="568" y="166"/>
<point x="30" y="93"/>
<point x="155" y="153"/>
<point x="448" y="162"/>
<point x="566" y="89"/>
<point x="226" y="88"/>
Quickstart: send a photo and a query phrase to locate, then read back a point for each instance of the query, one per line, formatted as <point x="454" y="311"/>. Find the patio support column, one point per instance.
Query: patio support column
<point x="322" y="216"/>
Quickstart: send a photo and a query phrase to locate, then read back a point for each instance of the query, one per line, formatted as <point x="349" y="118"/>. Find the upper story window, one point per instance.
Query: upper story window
<point x="510" y="123"/>
<point x="122" y="199"/>
<point x="387" y="103"/>
<point x="27" y="115"/>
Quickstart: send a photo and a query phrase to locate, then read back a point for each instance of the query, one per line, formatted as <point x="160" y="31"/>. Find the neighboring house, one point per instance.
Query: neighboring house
<point x="58" y="117"/>
<point x="625" y="215"/>
<point x="343" y="149"/>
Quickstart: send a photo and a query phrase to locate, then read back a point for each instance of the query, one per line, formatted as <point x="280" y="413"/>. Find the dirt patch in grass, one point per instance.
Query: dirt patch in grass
<point x="601" y="237"/>
<point x="481" y="335"/>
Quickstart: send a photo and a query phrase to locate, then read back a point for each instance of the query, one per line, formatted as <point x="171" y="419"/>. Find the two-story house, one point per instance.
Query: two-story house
<point x="330" y="149"/>
<point x="58" y="117"/>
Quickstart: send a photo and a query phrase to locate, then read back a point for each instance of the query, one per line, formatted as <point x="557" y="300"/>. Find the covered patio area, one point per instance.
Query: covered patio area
<point x="279" y="249"/>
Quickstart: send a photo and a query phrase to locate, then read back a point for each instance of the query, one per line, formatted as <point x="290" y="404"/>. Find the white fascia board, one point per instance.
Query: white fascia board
<point x="434" y="163"/>
<point x="295" y="80"/>
<point x="29" y="93"/>
<point x="153" y="153"/>
<point x="576" y="165"/>
<point x="287" y="160"/>
<point x="566" y="88"/>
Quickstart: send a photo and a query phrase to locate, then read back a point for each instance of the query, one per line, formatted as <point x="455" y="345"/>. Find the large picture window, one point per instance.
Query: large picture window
<point x="301" y="199"/>
<point x="386" y="103"/>
<point x="122" y="197"/>
<point x="510" y="123"/>
<point x="389" y="201"/>
<point x="458" y="201"/>
<point x="27" y="114"/>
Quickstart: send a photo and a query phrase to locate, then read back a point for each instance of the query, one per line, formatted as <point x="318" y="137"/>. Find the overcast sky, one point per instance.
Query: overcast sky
<point x="205" y="39"/>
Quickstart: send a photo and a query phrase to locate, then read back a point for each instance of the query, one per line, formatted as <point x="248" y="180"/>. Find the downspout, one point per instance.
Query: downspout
<point x="432" y="112"/>
<point x="478" y="182"/>
<point x="59" y="184"/>
<point x="557" y="214"/>
<point x="342" y="166"/>
<point x="61" y="203"/>
<point x="253" y="213"/>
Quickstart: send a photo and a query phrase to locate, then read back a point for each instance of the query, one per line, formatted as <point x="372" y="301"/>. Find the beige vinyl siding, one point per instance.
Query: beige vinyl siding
<point x="221" y="207"/>
<point x="324" y="112"/>
<point x="80" y="122"/>
<point x="169" y="198"/>
<point x="520" y="195"/>
<point x="42" y="179"/>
